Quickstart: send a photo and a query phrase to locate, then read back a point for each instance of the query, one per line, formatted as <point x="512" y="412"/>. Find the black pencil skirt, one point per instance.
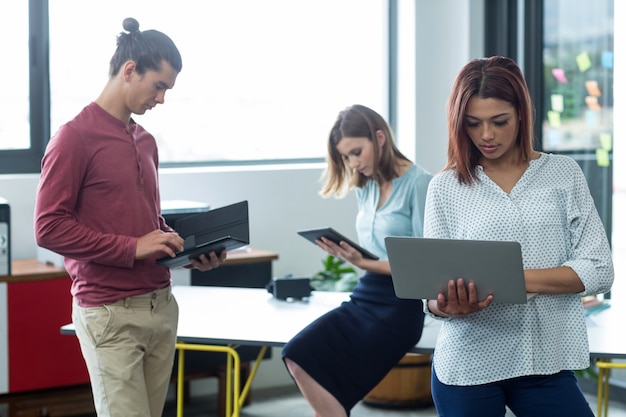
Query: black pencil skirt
<point x="351" y="348"/>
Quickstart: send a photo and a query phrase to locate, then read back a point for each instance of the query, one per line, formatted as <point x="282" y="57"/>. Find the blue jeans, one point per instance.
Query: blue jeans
<point x="557" y="395"/>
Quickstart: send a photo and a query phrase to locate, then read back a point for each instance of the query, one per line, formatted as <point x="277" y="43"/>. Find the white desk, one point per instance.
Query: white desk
<point x="251" y="316"/>
<point x="227" y="316"/>
<point x="607" y="340"/>
<point x="211" y="317"/>
<point x="218" y="319"/>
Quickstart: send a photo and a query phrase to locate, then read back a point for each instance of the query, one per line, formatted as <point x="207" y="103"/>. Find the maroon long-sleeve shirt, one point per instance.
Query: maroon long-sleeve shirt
<point x="97" y="194"/>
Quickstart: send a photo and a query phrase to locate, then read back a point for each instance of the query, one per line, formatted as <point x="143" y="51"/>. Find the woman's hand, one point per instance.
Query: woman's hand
<point x="342" y="250"/>
<point x="462" y="299"/>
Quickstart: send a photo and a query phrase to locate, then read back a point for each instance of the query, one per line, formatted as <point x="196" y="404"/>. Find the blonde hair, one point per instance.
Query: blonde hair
<point x="358" y="121"/>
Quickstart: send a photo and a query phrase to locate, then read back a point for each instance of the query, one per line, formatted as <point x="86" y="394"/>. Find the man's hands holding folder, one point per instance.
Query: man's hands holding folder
<point x="159" y="242"/>
<point x="208" y="261"/>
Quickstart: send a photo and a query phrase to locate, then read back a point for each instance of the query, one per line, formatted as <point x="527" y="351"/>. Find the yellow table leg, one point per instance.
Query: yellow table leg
<point x="601" y="390"/>
<point x="180" y="382"/>
<point x="246" y="388"/>
<point x="233" y="372"/>
<point x="604" y="374"/>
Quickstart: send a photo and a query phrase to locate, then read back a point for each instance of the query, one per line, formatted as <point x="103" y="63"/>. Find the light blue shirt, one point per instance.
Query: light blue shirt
<point x="551" y="213"/>
<point x="401" y="215"/>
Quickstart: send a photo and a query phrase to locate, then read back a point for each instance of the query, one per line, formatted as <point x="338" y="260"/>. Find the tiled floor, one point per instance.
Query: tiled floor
<point x="287" y="402"/>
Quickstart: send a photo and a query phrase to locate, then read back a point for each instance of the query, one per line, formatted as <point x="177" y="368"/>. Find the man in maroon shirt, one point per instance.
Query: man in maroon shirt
<point x="98" y="205"/>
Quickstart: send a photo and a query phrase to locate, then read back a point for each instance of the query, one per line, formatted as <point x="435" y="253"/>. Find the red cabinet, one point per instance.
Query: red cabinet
<point x="38" y="302"/>
<point x="39" y="355"/>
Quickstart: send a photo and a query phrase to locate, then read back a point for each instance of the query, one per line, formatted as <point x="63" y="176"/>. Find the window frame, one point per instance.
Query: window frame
<point x="532" y="55"/>
<point x="28" y="161"/>
<point x="15" y="161"/>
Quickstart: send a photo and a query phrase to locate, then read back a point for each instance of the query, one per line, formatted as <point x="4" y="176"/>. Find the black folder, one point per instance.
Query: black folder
<point x="223" y="228"/>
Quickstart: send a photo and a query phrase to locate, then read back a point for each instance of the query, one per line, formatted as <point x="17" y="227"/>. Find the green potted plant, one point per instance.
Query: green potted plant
<point x="336" y="276"/>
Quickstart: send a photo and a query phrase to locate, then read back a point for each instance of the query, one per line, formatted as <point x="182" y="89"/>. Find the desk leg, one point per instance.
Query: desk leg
<point x="180" y="383"/>
<point x="233" y="370"/>
<point x="229" y="383"/>
<point x="246" y="388"/>
<point x="603" y="395"/>
<point x="604" y="375"/>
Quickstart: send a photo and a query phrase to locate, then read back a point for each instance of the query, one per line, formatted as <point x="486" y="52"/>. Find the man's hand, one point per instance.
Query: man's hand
<point x="211" y="260"/>
<point x="159" y="242"/>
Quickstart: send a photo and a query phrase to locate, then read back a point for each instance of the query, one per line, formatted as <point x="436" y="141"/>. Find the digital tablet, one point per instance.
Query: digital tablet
<point x="333" y="235"/>
<point x="422" y="267"/>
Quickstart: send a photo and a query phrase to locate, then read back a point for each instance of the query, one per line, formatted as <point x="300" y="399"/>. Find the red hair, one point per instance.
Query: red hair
<point x="495" y="77"/>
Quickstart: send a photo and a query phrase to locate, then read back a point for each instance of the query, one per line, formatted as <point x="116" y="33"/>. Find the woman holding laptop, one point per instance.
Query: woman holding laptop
<point x="341" y="356"/>
<point x="497" y="187"/>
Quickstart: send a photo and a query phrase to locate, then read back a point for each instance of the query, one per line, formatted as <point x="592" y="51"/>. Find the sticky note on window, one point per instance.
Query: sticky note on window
<point x="591" y="118"/>
<point x="583" y="61"/>
<point x="592" y="88"/>
<point x="554" y="118"/>
<point x="557" y="102"/>
<point x="606" y="141"/>
<point x="592" y="103"/>
<point x="606" y="59"/>
<point x="602" y="157"/>
<point x="559" y="74"/>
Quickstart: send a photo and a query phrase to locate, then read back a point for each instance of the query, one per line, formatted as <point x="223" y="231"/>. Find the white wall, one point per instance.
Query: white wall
<point x="451" y="31"/>
<point x="284" y="199"/>
<point x="281" y="201"/>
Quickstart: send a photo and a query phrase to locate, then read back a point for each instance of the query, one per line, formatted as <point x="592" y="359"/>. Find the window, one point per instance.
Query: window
<point x="14" y="124"/>
<point x="577" y="98"/>
<point x="16" y="146"/>
<point x="568" y="52"/>
<point x="261" y="80"/>
<point x="578" y="60"/>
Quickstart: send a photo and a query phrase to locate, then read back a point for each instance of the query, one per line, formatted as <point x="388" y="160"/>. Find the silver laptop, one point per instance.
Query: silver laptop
<point x="422" y="267"/>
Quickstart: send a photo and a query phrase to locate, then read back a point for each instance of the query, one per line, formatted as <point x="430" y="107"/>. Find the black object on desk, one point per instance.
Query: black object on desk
<point x="249" y="274"/>
<point x="290" y="288"/>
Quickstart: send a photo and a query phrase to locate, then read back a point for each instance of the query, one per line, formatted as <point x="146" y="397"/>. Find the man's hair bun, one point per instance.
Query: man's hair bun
<point x="131" y="25"/>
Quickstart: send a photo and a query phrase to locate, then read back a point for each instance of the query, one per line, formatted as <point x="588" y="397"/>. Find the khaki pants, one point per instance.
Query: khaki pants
<point x="129" y="348"/>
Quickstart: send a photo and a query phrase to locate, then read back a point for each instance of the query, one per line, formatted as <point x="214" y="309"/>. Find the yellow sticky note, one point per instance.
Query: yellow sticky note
<point x="583" y="61"/>
<point x="554" y="118"/>
<point x="602" y="156"/>
<point x="557" y="102"/>
<point x="606" y="141"/>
